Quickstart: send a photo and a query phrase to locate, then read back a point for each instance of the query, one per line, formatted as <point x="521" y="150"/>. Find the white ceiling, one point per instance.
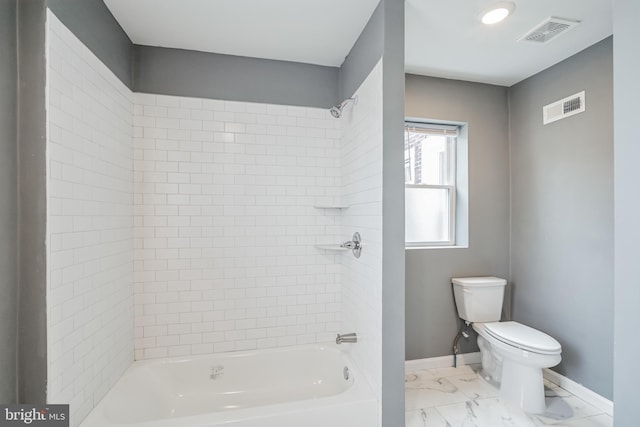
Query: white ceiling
<point x="311" y="31"/>
<point x="444" y="38"/>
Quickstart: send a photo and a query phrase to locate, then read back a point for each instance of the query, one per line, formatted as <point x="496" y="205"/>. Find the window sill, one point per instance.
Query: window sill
<point x="411" y="248"/>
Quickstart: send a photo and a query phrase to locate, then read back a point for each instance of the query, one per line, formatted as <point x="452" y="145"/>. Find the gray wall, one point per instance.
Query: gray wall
<point x="383" y="36"/>
<point x="431" y="318"/>
<point x="190" y="73"/>
<point x="92" y="22"/>
<point x="393" y="289"/>
<point x="626" y="64"/>
<point x="8" y="199"/>
<point x="562" y="214"/>
<point x="210" y="75"/>
<point x="364" y="54"/>
<point x="32" y="332"/>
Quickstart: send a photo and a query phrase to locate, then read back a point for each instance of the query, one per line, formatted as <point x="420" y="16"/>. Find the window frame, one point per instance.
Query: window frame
<point x="452" y="165"/>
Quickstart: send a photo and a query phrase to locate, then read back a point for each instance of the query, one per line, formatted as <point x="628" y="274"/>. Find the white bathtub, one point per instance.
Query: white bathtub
<point x="292" y="387"/>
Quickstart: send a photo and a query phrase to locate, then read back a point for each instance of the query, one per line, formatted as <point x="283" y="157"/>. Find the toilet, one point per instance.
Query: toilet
<point x="513" y="354"/>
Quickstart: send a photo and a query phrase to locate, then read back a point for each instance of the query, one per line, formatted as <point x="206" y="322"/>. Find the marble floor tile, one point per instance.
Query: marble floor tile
<point x="562" y="409"/>
<point x="473" y="386"/>
<point x="597" y="421"/>
<point x="484" y="413"/>
<point x="451" y="371"/>
<point x="418" y="379"/>
<point x="459" y="397"/>
<point x="427" y="417"/>
<point x="432" y="392"/>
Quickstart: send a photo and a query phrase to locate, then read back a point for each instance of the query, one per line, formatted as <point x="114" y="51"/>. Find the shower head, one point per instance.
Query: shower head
<point x="336" y="110"/>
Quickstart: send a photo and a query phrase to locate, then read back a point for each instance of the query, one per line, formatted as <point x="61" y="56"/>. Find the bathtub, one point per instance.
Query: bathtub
<point x="311" y="386"/>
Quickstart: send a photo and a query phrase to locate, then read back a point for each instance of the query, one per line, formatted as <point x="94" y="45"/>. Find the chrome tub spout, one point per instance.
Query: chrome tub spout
<point x="350" y="338"/>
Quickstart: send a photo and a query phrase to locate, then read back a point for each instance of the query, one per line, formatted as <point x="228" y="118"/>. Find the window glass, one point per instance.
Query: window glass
<point x="430" y="184"/>
<point x="428" y="214"/>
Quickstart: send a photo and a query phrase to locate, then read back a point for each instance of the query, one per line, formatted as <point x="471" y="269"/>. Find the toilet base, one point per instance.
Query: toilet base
<point x="523" y="386"/>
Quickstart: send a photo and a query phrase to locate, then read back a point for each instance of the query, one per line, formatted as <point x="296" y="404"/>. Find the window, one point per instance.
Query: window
<point x="430" y="184"/>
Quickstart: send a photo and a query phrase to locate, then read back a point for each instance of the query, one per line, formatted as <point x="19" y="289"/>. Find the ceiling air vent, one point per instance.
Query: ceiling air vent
<point x="564" y="108"/>
<point x="548" y="30"/>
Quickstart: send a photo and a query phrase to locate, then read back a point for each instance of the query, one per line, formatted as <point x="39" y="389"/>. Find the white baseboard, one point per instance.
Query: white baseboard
<point x="580" y="391"/>
<point x="441" y="362"/>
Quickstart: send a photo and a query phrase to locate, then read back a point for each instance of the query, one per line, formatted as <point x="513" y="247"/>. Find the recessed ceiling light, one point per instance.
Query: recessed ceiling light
<point x="498" y="12"/>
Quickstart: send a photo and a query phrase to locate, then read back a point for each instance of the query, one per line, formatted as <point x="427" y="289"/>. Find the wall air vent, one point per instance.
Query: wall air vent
<point x="548" y="30"/>
<point x="564" y="108"/>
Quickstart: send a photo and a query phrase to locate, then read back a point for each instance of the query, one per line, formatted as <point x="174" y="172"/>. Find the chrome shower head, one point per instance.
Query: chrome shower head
<point x="336" y="110"/>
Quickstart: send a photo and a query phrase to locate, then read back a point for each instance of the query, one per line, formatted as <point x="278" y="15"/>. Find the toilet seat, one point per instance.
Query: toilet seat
<point x="523" y="337"/>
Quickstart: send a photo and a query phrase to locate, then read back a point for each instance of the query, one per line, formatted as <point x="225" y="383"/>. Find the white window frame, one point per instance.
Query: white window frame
<point x="451" y="187"/>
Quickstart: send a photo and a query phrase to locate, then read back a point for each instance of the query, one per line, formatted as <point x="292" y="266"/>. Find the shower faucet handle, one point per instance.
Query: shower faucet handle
<point x="355" y="244"/>
<point x="351" y="245"/>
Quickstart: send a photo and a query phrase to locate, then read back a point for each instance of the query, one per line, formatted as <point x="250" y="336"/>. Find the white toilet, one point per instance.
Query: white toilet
<point x="513" y="354"/>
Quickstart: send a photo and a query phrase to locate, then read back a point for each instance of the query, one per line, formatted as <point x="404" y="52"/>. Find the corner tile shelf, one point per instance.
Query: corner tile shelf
<point x="335" y="247"/>
<point x="331" y="206"/>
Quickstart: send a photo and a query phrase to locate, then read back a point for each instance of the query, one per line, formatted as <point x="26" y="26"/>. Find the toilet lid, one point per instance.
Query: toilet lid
<point x="524" y="337"/>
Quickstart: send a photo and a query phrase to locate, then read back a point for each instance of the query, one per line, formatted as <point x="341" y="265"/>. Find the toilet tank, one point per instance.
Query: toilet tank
<point x="479" y="299"/>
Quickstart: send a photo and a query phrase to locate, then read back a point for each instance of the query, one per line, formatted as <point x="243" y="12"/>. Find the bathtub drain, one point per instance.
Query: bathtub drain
<point x="345" y="372"/>
<point x="216" y="371"/>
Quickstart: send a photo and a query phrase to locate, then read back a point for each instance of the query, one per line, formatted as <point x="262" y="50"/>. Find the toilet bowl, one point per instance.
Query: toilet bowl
<point x="513" y="354"/>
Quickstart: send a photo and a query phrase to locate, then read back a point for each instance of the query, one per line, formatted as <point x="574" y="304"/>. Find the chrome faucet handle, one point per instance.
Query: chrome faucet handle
<point x="350" y="245"/>
<point x="355" y="245"/>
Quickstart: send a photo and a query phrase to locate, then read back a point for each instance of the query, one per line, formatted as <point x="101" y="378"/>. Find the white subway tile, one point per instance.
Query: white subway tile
<point x="155" y="133"/>
<point x="191" y="124"/>
<point x="238" y="107"/>
<point x="201" y="115"/>
<point x="167" y="101"/>
<point x="144" y="98"/>
<point x="213" y="104"/>
<point x="167" y="123"/>
<point x="192" y="103"/>
<point x="178" y="113"/>
<point x="154" y="111"/>
<point x="216" y="126"/>
<point x="89" y="224"/>
<point x="233" y="187"/>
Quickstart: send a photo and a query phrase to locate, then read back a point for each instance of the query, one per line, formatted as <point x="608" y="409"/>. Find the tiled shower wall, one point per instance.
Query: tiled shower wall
<point x="225" y="225"/>
<point x="361" y="149"/>
<point x="89" y="224"/>
<point x="210" y="212"/>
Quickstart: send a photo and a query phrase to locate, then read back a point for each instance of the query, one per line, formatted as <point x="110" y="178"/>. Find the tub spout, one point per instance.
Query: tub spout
<point x="351" y="338"/>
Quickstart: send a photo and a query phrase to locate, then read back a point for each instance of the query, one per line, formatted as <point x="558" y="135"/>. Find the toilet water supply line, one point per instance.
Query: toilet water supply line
<point x="464" y="332"/>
